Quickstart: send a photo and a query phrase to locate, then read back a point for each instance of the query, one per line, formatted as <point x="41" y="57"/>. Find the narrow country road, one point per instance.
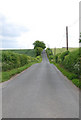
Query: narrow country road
<point x="41" y="91"/>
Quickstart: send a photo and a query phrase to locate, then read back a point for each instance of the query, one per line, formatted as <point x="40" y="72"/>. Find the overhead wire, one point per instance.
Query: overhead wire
<point x="75" y="22"/>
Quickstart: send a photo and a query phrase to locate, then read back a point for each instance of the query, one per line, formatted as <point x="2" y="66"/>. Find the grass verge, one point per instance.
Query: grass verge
<point x="8" y="74"/>
<point x="69" y="75"/>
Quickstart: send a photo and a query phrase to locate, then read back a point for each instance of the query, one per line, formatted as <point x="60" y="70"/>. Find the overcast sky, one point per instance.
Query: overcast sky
<point x="24" y="21"/>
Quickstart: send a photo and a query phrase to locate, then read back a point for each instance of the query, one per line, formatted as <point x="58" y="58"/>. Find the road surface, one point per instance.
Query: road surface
<point x="41" y="91"/>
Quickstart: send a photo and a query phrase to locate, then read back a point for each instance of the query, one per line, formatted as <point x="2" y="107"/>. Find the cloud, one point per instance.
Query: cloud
<point x="9" y="32"/>
<point x="9" y="29"/>
<point x="9" y="43"/>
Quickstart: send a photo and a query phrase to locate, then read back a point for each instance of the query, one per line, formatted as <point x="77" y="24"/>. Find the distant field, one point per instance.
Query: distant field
<point x="28" y="52"/>
<point x="60" y="50"/>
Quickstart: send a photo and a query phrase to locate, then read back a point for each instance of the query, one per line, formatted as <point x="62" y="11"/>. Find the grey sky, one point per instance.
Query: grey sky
<point x="80" y="22"/>
<point x="9" y="32"/>
<point x="25" y="21"/>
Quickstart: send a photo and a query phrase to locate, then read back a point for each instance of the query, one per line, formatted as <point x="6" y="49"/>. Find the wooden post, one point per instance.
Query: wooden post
<point x="54" y="51"/>
<point x="66" y="37"/>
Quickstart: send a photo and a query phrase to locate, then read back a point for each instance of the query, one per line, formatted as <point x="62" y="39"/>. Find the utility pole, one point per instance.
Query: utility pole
<point x="67" y="37"/>
<point x="54" y="51"/>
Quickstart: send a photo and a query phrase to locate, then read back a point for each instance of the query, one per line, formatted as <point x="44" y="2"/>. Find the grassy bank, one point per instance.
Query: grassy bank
<point x="12" y="60"/>
<point x="6" y="75"/>
<point x="69" y="63"/>
<point x="14" y="63"/>
<point x="71" y="76"/>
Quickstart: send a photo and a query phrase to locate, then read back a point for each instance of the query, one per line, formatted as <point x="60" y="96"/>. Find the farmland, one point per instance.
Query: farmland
<point x="29" y="52"/>
<point x="61" y="50"/>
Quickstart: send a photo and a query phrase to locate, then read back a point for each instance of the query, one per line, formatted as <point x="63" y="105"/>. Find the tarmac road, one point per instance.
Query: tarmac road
<point x="41" y="91"/>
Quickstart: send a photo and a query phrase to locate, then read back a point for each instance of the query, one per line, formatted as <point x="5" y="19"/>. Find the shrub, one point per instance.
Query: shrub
<point x="38" y="51"/>
<point x="63" y="55"/>
<point x="11" y="60"/>
<point x="77" y="82"/>
<point x="49" y="52"/>
<point x="51" y="57"/>
<point x="38" y="59"/>
<point x="56" y="58"/>
<point x="48" y="49"/>
<point x="71" y="62"/>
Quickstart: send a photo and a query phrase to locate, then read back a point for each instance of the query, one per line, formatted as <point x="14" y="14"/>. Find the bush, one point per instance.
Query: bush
<point x="38" y="59"/>
<point x="56" y="58"/>
<point x="11" y="60"/>
<point x="48" y="49"/>
<point x="80" y="60"/>
<point x="71" y="62"/>
<point x="77" y="82"/>
<point x="38" y="51"/>
<point x="63" y="55"/>
<point x="51" y="57"/>
<point x="49" y="52"/>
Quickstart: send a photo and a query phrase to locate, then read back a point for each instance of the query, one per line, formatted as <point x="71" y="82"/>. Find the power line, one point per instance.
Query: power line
<point x="75" y="22"/>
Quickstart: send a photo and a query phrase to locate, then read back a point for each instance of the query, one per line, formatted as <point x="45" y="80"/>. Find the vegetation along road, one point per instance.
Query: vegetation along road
<point x="41" y="91"/>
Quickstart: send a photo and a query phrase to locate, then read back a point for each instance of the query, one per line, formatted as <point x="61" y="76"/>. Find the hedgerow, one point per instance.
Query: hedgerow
<point x="49" y="54"/>
<point x="62" y="56"/>
<point x="69" y="60"/>
<point x="11" y="60"/>
<point x="69" y="63"/>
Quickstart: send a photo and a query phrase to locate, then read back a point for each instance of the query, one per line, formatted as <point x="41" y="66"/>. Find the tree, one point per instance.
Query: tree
<point x="38" y="51"/>
<point x="40" y="44"/>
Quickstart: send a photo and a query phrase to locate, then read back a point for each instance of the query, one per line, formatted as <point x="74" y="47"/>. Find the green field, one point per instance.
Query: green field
<point x="61" y="50"/>
<point x="28" y="52"/>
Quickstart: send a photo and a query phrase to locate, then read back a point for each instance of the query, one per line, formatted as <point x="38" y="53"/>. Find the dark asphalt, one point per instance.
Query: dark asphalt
<point x="41" y="91"/>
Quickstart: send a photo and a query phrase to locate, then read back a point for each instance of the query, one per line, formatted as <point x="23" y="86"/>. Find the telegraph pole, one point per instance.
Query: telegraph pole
<point x="54" y="51"/>
<point x="66" y="37"/>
